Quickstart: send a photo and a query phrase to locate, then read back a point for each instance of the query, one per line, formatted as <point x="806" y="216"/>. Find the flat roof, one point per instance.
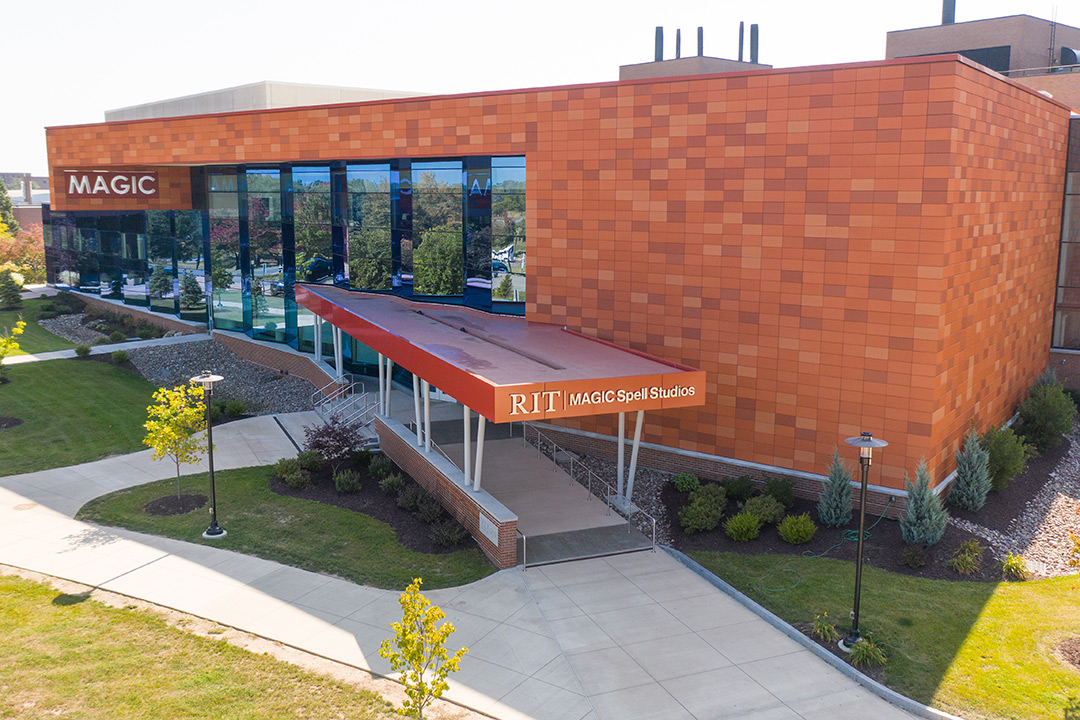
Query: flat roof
<point x="506" y="368"/>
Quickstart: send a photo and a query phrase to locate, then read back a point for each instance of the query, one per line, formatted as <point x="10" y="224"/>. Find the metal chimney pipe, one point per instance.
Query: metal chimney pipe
<point x="741" y="35"/>
<point x="948" y="12"/>
<point x="28" y="195"/>
<point x="753" y="43"/>
<point x="678" y="44"/>
<point x="700" y="41"/>
<point x="659" y="44"/>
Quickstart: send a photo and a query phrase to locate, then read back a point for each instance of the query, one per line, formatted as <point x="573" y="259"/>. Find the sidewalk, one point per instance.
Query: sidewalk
<point x="105" y="349"/>
<point x="629" y="636"/>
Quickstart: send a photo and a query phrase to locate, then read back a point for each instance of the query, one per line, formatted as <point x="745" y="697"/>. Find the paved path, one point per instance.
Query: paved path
<point x="630" y="636"/>
<point x="105" y="349"/>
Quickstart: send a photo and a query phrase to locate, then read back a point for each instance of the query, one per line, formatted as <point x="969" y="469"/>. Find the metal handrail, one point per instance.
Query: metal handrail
<point x="590" y="476"/>
<point x="524" y="550"/>
<point x="412" y="426"/>
<point x="1052" y="69"/>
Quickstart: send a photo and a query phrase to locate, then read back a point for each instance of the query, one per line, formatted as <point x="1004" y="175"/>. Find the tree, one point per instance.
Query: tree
<point x="437" y="263"/>
<point x="1007" y="455"/>
<point x="505" y="291"/>
<point x="834" y="507"/>
<point x="221" y="276"/>
<point x="9" y="344"/>
<point x="7" y="211"/>
<point x="925" y="519"/>
<point x="421" y="651"/>
<point x="161" y="282"/>
<point x="191" y="295"/>
<point x="1048" y="412"/>
<point x="174" y="419"/>
<point x="972" y="475"/>
<point x="10" y="297"/>
<point x="258" y="298"/>
<point x="369" y="258"/>
<point x="24" y="252"/>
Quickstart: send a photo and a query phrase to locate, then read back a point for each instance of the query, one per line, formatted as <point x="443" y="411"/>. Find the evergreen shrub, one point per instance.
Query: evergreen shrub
<point x="925" y="519"/>
<point x="834" y="507"/>
<point x="743" y="526"/>
<point x="972" y="475"/>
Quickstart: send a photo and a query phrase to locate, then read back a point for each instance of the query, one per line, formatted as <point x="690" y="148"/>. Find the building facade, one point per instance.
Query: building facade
<point x="842" y="248"/>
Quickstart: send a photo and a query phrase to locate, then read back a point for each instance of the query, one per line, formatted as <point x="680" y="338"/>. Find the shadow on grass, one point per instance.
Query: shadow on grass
<point x="1072" y="709"/>
<point x="64" y="599"/>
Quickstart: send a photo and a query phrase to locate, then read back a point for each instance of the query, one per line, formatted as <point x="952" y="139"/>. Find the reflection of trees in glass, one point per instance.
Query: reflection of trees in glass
<point x="161" y="283"/>
<point x="369" y="258"/>
<point x="437" y="263"/>
<point x="505" y="290"/>
<point x="221" y="276"/>
<point x="225" y="239"/>
<point x="191" y="295"/>
<point x="189" y="239"/>
<point x="258" y="299"/>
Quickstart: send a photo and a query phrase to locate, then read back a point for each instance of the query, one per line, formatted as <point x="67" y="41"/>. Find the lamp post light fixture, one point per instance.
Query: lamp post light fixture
<point x="866" y="443"/>
<point x="207" y="380"/>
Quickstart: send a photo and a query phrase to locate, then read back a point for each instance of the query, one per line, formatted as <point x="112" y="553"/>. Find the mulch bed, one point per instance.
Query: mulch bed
<point x="1068" y="651"/>
<point x="411" y="532"/>
<point x="10" y="422"/>
<point x="173" y="505"/>
<point x="106" y="359"/>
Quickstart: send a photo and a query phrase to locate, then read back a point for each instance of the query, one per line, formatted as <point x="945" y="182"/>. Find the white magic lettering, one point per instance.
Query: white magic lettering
<point x="112" y="184"/>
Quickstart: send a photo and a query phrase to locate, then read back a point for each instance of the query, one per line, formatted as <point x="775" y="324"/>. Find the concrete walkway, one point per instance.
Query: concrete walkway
<point x="105" y="349"/>
<point x="630" y="636"/>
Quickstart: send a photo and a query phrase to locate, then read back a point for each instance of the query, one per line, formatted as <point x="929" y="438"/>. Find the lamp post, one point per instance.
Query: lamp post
<point x="207" y="380"/>
<point x="866" y="443"/>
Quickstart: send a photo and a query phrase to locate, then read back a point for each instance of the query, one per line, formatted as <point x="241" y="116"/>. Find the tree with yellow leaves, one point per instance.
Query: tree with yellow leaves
<point x="9" y="343"/>
<point x="174" y="419"/>
<point x="421" y="651"/>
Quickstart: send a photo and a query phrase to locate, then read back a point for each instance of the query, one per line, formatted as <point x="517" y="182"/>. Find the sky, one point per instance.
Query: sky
<point x="68" y="61"/>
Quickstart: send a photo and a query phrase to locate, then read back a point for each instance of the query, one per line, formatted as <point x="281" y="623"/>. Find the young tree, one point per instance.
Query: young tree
<point x="174" y="419"/>
<point x="925" y="519"/>
<point x="7" y="211"/>
<point x="161" y="282"/>
<point x="505" y="290"/>
<point x="421" y="651"/>
<point x="834" y="507"/>
<point x="1008" y="455"/>
<point x="10" y="297"/>
<point x="9" y="344"/>
<point x="191" y="295"/>
<point x="972" y="475"/>
<point x="221" y="276"/>
<point x="1048" y="412"/>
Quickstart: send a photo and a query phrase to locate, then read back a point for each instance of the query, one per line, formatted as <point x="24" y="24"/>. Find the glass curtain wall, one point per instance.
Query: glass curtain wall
<point x="162" y="286"/>
<point x="438" y="248"/>
<point x="1067" y="312"/>
<point x="311" y="224"/>
<point x="266" y="253"/>
<point x="369" y="245"/>
<point x="133" y="259"/>
<point x="187" y="228"/>
<point x="508" y="229"/>
<point x="226" y="264"/>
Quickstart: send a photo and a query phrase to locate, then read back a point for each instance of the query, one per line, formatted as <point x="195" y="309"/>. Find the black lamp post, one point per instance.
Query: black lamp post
<point x="207" y="380"/>
<point x="866" y="444"/>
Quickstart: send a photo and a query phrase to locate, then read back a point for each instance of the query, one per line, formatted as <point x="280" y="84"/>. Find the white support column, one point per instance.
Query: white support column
<point x="633" y="460"/>
<point x="621" y="453"/>
<point x="382" y="398"/>
<point x="416" y="407"/>
<point x="339" y="362"/>
<point x="389" y="385"/>
<point x="427" y="415"/>
<point x="467" y="413"/>
<point x="318" y="339"/>
<point x="479" y="453"/>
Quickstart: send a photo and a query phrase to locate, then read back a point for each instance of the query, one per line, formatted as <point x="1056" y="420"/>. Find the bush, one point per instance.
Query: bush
<point x="47" y="307"/>
<point x="310" y="460"/>
<point x="797" y="529"/>
<point x="117" y="336"/>
<point x="410" y="497"/>
<point x="82" y="350"/>
<point x="336" y="441"/>
<point x="145" y="332"/>
<point x="119" y="357"/>
<point x="380" y="467"/>
<point x="866" y="653"/>
<point x="743" y="526"/>
<point x="704" y="508"/>
<point x="428" y="509"/>
<point x="913" y="557"/>
<point x="925" y="519"/>
<point x="1048" y="413"/>
<point x="1007" y="455"/>
<point x="449" y="533"/>
<point x="391" y="484"/>
<point x="783" y="490"/>
<point x="235" y="408"/>
<point x="1013" y="568"/>
<point x="288" y="471"/>
<point x="972" y="475"/>
<point x="823" y="629"/>
<point x="347" y="481"/>
<point x="685" y="482"/>
<point x="767" y="508"/>
<point x="967" y="558"/>
<point x="739" y="489"/>
<point x="10" y="299"/>
<point x="834" y="507"/>
<point x="361" y="458"/>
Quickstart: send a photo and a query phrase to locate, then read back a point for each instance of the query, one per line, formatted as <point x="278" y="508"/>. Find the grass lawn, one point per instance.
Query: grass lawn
<point x="303" y="533"/>
<point x="62" y="657"/>
<point x="35" y="339"/>
<point x="75" y="411"/>
<point x="980" y="650"/>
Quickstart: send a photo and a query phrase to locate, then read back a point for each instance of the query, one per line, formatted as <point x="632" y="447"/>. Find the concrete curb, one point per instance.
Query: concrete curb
<point x="901" y="701"/>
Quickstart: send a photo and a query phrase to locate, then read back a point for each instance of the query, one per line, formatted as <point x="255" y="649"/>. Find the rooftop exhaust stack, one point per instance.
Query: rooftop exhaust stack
<point x="741" y="35"/>
<point x="700" y="41"/>
<point x="659" y="44"/>
<point x="753" y="43"/>
<point x="948" y="12"/>
<point x="678" y="44"/>
<point x="28" y="193"/>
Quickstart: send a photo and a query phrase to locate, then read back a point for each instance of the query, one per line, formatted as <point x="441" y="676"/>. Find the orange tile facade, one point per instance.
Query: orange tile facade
<point x="845" y="248"/>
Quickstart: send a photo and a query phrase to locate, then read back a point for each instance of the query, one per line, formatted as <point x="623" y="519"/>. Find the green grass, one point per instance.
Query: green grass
<point x="75" y="411"/>
<point x="35" y="339"/>
<point x="303" y="533"/>
<point x="981" y="650"/>
<point x="62" y="655"/>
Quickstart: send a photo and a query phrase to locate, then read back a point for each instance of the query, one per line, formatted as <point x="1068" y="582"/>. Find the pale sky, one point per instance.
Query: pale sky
<point x="68" y="61"/>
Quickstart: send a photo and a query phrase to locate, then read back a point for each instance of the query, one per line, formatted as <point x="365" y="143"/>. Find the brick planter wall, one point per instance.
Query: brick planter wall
<point x="147" y="316"/>
<point x="717" y="468"/>
<point x="281" y="360"/>
<point x="442" y="479"/>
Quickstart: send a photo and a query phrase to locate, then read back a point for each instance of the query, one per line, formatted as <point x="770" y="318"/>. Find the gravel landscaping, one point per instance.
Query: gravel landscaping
<point x="262" y="390"/>
<point x="71" y="328"/>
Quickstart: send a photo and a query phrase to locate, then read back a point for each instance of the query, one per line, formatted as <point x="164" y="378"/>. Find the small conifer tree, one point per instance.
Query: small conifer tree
<point x="10" y="299"/>
<point x="191" y="295"/>
<point x="160" y="283"/>
<point x="972" y="475"/>
<point x="834" y="507"/>
<point x="925" y="519"/>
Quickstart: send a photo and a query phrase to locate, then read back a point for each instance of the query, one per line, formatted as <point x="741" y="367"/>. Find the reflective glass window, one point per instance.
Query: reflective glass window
<point x="508" y="229"/>
<point x="437" y="244"/>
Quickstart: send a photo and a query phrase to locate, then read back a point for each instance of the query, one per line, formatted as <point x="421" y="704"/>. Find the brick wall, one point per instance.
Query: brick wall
<point x="280" y="360"/>
<point x="151" y="318"/>
<point x="457" y="500"/>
